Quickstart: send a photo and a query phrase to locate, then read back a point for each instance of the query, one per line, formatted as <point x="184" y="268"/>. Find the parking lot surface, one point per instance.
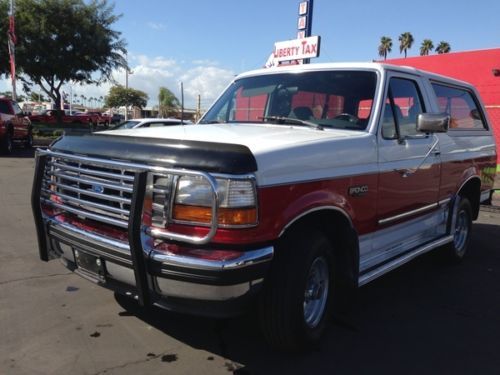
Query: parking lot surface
<point x="426" y="317"/>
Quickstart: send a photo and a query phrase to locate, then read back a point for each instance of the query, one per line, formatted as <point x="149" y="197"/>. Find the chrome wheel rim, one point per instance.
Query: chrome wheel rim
<point x="461" y="232"/>
<point x="316" y="292"/>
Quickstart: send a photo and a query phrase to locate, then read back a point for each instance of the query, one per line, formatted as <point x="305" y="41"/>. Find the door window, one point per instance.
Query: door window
<point x="4" y="107"/>
<point x="402" y="106"/>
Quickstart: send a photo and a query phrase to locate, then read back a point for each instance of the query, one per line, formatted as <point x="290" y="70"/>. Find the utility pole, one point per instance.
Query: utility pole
<point x="309" y="18"/>
<point x="198" y="108"/>
<point x="126" y="88"/>
<point x="12" y="40"/>
<point x="182" y="103"/>
<point x="127" y="72"/>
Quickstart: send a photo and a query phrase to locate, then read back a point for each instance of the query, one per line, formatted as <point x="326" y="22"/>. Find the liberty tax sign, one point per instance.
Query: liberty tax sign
<point x="296" y="49"/>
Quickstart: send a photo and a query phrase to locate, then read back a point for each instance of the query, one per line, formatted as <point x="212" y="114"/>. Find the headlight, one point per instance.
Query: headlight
<point x="237" y="201"/>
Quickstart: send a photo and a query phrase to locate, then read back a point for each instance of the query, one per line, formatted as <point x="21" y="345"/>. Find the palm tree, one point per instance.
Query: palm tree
<point x="405" y="42"/>
<point x="385" y="47"/>
<point x="443" y="47"/>
<point x="167" y="102"/>
<point x="426" y="47"/>
<point x="83" y="99"/>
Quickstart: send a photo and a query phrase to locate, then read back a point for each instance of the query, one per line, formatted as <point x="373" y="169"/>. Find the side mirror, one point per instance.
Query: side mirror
<point x="433" y="122"/>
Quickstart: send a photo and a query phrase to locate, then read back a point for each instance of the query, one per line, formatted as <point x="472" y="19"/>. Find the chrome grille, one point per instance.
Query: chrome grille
<point x="88" y="189"/>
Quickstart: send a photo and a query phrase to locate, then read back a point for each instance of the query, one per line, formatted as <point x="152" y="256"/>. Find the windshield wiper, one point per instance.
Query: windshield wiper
<point x="280" y="120"/>
<point x="212" y="122"/>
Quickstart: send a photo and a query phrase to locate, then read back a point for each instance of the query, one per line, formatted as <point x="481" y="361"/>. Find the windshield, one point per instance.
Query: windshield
<point x="127" y="125"/>
<point x="331" y="99"/>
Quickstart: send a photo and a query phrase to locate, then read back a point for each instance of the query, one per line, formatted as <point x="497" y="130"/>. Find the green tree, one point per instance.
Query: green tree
<point x="443" y="47"/>
<point x="385" y="46"/>
<point x="426" y="47"/>
<point x="120" y="96"/>
<point x="167" y="102"/>
<point x="8" y="94"/>
<point x="405" y="42"/>
<point x="64" y="40"/>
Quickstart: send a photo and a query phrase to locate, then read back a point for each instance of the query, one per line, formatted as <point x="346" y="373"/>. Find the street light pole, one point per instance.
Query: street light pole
<point x="126" y="88"/>
<point x="11" y="42"/>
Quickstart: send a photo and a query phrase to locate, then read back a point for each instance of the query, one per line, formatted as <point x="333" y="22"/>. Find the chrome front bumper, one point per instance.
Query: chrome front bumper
<point x="168" y="275"/>
<point x="128" y="264"/>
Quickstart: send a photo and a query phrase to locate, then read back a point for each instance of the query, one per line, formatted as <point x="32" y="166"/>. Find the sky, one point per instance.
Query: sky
<point x="204" y="44"/>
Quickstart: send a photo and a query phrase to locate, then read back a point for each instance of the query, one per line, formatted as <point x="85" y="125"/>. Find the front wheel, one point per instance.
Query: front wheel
<point x="28" y="142"/>
<point x="6" y="144"/>
<point x="296" y="300"/>
<point x="455" y="251"/>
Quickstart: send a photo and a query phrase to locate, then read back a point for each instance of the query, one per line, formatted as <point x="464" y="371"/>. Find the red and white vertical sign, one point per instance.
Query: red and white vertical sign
<point x="303" y="8"/>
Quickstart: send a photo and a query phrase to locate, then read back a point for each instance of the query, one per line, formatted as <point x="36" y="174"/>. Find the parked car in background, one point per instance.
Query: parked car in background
<point x="151" y="123"/>
<point x="50" y="117"/>
<point x="15" y="127"/>
<point x="98" y="118"/>
<point x="114" y="118"/>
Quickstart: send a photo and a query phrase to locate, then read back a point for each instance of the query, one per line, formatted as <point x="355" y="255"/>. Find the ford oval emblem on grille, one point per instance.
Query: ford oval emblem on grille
<point x="98" y="189"/>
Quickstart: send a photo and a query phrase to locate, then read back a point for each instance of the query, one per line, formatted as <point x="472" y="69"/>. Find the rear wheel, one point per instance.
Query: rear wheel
<point x="455" y="251"/>
<point x="296" y="300"/>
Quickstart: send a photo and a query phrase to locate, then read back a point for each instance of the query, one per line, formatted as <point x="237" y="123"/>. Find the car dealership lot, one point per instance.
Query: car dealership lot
<point x="424" y="317"/>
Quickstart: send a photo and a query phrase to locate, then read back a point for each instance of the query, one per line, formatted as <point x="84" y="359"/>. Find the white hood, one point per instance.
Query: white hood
<point x="284" y="153"/>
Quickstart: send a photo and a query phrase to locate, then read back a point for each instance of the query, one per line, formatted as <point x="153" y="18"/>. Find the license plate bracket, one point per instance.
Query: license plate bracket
<point x="89" y="265"/>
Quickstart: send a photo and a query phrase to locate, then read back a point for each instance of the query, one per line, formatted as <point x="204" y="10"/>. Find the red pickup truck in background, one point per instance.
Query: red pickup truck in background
<point x="99" y="118"/>
<point x="50" y="116"/>
<point x="15" y="127"/>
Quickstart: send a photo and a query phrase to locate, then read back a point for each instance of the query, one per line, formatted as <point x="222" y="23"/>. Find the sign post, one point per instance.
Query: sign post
<point x="302" y="49"/>
<point x="304" y="24"/>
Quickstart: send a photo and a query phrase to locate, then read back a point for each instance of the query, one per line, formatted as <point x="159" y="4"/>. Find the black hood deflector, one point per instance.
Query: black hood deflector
<point x="171" y="153"/>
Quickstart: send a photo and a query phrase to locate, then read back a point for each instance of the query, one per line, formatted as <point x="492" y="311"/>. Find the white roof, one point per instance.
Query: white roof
<point x="374" y="66"/>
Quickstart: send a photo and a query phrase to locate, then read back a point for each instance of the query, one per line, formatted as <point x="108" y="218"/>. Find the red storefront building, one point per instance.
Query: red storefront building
<point x="480" y="67"/>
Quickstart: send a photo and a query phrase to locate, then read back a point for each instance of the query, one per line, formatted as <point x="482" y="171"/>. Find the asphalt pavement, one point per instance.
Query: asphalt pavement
<point x="426" y="317"/>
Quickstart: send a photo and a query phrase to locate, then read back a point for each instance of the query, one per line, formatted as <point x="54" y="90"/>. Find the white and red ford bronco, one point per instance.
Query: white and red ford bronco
<point x="298" y="183"/>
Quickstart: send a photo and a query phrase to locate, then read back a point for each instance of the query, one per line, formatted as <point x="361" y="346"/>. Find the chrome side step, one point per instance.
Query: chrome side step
<point x="386" y="267"/>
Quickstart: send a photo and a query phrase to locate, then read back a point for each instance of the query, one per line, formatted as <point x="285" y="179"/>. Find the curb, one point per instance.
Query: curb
<point x="490" y="208"/>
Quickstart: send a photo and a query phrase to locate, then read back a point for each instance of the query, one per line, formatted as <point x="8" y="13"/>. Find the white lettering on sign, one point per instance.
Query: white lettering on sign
<point x="297" y="49"/>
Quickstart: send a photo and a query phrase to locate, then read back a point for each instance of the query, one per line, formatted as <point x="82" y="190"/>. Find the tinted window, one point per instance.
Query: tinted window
<point x="460" y="105"/>
<point x="402" y="106"/>
<point x="17" y="109"/>
<point x="4" y="107"/>
<point x="127" y="125"/>
<point x="337" y="99"/>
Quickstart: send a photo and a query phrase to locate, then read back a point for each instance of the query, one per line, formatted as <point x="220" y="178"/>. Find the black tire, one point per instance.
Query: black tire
<point x="7" y="144"/>
<point x="461" y="230"/>
<point x="288" y="322"/>
<point x="28" y="142"/>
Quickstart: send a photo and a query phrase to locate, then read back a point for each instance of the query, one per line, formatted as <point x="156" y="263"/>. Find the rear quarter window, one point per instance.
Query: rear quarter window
<point x="461" y="105"/>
